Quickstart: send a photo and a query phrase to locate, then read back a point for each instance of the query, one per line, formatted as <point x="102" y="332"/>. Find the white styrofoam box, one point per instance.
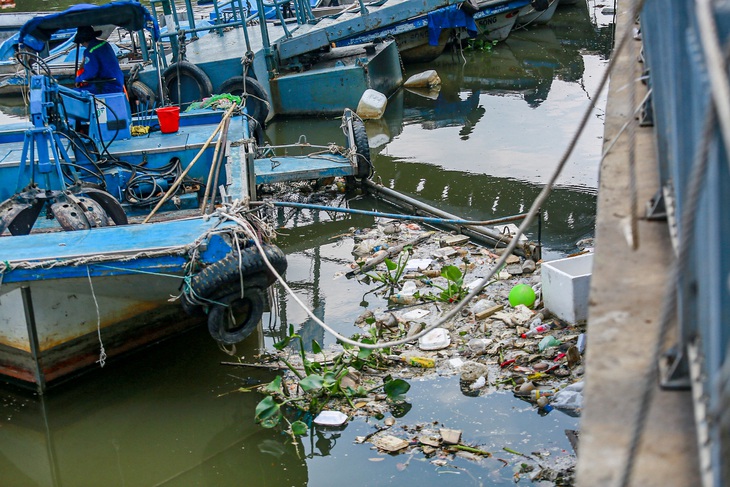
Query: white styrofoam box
<point x="565" y="287"/>
<point x="435" y="339"/>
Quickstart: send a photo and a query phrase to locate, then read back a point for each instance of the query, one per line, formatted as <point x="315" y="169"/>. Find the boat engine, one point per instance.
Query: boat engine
<point x="47" y="177"/>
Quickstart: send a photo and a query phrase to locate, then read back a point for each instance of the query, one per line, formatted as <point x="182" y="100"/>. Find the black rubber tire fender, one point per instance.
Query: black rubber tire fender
<point x="221" y="314"/>
<point x="256" y="104"/>
<point x="190" y="70"/>
<point x="260" y="280"/>
<point x="362" y="146"/>
<point x="256" y="131"/>
<point x="218" y="275"/>
<point x="138" y="91"/>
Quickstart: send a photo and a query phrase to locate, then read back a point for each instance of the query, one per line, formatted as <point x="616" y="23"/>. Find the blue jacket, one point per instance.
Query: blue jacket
<point x="100" y="62"/>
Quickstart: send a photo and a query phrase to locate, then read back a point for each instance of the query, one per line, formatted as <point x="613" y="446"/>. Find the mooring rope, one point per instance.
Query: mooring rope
<point x="102" y="352"/>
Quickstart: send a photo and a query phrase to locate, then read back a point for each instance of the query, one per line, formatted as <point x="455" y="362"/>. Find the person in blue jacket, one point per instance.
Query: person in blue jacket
<point x="100" y="72"/>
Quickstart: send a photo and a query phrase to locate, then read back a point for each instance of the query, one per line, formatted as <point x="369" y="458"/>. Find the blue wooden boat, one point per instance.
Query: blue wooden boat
<point x="112" y="241"/>
<point x="59" y="42"/>
<point x="423" y="38"/>
<point x="62" y="59"/>
<point x="300" y="68"/>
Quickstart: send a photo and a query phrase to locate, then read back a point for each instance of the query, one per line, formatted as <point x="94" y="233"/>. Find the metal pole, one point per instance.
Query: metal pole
<point x="480" y="233"/>
<point x="33" y="338"/>
<point x="398" y="216"/>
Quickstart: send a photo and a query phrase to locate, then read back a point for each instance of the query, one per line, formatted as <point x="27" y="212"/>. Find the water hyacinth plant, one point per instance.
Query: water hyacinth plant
<point x="320" y="383"/>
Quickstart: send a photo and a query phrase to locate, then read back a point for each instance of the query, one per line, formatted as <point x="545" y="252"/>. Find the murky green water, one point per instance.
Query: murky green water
<point x="169" y="415"/>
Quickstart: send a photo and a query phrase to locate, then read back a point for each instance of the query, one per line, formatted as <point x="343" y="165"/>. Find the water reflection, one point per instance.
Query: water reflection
<point x="169" y="417"/>
<point x="480" y="148"/>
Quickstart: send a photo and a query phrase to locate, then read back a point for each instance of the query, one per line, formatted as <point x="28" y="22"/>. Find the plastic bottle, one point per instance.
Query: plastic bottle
<point x="538" y="393"/>
<point x="372" y="104"/>
<point x="547" y="342"/>
<point x="424" y="362"/>
<point x="401" y="299"/>
<point x="537" y="330"/>
<point x="581" y="342"/>
<point x="537" y="321"/>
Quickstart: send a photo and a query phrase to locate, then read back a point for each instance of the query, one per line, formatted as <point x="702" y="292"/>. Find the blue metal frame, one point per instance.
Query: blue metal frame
<point x="681" y="94"/>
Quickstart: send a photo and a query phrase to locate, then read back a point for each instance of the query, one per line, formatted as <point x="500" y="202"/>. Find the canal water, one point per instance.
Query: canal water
<point x="482" y="147"/>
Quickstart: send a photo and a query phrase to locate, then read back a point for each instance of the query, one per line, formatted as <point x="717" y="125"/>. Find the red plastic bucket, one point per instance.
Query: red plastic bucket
<point x="169" y="118"/>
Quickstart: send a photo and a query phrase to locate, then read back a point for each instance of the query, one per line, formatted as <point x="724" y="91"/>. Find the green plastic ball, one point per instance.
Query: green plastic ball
<point x="522" y="294"/>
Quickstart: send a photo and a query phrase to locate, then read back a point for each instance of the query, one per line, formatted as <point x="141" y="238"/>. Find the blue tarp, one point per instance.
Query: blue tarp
<point x="128" y="14"/>
<point x="447" y="18"/>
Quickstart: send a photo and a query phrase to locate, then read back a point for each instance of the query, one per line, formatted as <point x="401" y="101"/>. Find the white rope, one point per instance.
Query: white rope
<point x="102" y="352"/>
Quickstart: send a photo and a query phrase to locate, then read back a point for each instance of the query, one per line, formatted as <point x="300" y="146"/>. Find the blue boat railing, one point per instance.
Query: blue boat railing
<point x="685" y="57"/>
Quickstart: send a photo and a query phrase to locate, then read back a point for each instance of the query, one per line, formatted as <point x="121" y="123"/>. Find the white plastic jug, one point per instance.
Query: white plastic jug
<point x="372" y="104"/>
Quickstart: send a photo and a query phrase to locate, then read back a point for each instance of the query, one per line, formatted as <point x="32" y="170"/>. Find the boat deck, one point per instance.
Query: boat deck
<point x="189" y="135"/>
<point x="128" y="239"/>
<point x="307" y="38"/>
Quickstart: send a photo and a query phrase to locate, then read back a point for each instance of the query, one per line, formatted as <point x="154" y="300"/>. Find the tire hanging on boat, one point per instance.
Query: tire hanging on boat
<point x="257" y="103"/>
<point x="224" y="324"/>
<point x="207" y="282"/>
<point x="140" y="92"/>
<point x="178" y="73"/>
<point x="256" y="131"/>
<point x="220" y="284"/>
<point x="362" y="147"/>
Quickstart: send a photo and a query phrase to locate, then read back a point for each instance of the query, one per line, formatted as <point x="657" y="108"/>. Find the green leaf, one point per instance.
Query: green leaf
<point x="364" y="353"/>
<point x="282" y="344"/>
<point x="315" y="347"/>
<point x="390" y="265"/>
<point x="307" y="364"/>
<point x="299" y="428"/>
<point x="396" y="388"/>
<point x="274" y="386"/>
<point x="311" y="382"/>
<point x="370" y="320"/>
<point x="330" y="380"/>
<point x="451" y="272"/>
<point x="268" y="412"/>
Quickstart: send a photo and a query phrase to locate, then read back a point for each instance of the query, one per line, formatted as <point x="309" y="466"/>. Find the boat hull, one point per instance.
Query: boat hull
<point x="337" y="81"/>
<point x="48" y="330"/>
<point x="496" y="28"/>
<point x="68" y="298"/>
<point x="530" y="16"/>
<point x="495" y="22"/>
